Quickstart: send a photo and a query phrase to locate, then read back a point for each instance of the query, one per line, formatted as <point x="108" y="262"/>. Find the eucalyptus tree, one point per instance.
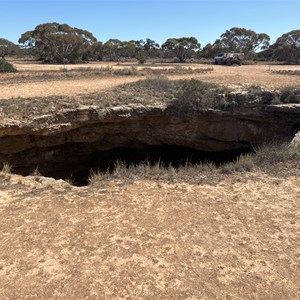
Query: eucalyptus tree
<point x="7" y="48"/>
<point x="244" y="40"/>
<point x="58" y="43"/>
<point x="151" y="48"/>
<point x="97" y="51"/>
<point x="211" y="50"/>
<point x="238" y="40"/>
<point x="113" y="49"/>
<point x="287" y="47"/>
<point x="182" y="48"/>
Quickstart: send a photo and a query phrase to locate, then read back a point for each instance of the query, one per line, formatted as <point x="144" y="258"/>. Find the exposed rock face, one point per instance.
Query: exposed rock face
<point x="72" y="136"/>
<point x="296" y="140"/>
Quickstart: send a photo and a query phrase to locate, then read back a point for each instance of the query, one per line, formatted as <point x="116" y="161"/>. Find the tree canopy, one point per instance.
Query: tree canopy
<point x="7" y="48"/>
<point x="287" y="47"/>
<point x="183" y="48"/>
<point x="58" y="43"/>
<point x="61" y="43"/>
<point x="239" y="40"/>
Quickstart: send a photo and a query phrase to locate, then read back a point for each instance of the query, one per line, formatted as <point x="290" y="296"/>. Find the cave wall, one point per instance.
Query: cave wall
<point x="73" y="136"/>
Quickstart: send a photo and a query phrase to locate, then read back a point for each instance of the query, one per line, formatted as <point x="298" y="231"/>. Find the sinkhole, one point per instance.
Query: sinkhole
<point x="77" y="161"/>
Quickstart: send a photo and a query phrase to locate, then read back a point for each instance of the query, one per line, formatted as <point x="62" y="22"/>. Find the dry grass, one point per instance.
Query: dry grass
<point x="6" y="168"/>
<point x="268" y="158"/>
<point x="287" y="72"/>
<point x="186" y="96"/>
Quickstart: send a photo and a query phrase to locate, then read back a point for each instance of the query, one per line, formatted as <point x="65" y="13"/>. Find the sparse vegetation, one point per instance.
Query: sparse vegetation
<point x="268" y="157"/>
<point x="272" y="153"/>
<point x="141" y="57"/>
<point x="254" y="89"/>
<point x="220" y="225"/>
<point x="194" y="94"/>
<point x="180" y="96"/>
<point x="70" y="180"/>
<point x="156" y="82"/>
<point x="6" y="67"/>
<point x="290" y="94"/>
<point x="287" y="72"/>
<point x="181" y="70"/>
<point x="126" y="71"/>
<point x="244" y="163"/>
<point x="36" y="172"/>
<point x="193" y="173"/>
<point x="6" y="168"/>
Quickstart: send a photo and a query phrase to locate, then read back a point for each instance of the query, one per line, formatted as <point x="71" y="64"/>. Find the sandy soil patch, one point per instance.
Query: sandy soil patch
<point x="248" y="74"/>
<point x="251" y="74"/>
<point x="61" y="87"/>
<point x="239" y="239"/>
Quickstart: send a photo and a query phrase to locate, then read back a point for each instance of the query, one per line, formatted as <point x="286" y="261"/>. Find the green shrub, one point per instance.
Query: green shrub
<point x="141" y="57"/>
<point x="290" y="94"/>
<point x="6" y="67"/>
<point x="192" y="94"/>
<point x="188" y="89"/>
<point x="254" y="89"/>
<point x="156" y="82"/>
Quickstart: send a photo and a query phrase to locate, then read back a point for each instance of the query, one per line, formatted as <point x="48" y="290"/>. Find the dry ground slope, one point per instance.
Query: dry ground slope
<point x="239" y="239"/>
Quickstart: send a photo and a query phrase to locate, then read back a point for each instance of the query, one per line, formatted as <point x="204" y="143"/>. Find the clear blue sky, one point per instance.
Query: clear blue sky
<point x="156" y="19"/>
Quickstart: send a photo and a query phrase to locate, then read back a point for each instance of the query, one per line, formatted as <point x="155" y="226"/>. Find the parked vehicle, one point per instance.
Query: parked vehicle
<point x="229" y="58"/>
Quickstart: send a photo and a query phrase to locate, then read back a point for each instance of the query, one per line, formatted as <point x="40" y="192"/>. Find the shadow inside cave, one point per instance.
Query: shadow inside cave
<point x="77" y="161"/>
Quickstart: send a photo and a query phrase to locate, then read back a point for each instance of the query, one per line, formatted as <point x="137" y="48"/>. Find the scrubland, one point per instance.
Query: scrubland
<point x="150" y="232"/>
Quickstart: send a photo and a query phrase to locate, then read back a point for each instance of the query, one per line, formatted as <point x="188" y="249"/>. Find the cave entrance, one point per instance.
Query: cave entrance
<point x="77" y="161"/>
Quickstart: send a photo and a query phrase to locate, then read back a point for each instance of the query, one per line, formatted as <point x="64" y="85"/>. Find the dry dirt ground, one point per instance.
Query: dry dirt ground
<point x="246" y="74"/>
<point x="236" y="239"/>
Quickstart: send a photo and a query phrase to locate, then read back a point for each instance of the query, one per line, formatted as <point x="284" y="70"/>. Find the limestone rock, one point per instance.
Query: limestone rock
<point x="72" y="136"/>
<point x="296" y="140"/>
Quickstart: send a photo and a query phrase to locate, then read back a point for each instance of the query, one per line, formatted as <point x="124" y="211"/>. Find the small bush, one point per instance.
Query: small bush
<point x="254" y="89"/>
<point x="275" y="152"/>
<point x="290" y="94"/>
<point x="192" y="89"/>
<point x="155" y="82"/>
<point x="243" y="163"/>
<point x="192" y="94"/>
<point x="6" y="67"/>
<point x="287" y="72"/>
<point x="141" y="57"/>
<point x="126" y="71"/>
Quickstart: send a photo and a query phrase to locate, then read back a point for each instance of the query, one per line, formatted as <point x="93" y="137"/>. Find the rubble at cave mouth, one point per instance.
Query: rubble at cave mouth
<point x="69" y="162"/>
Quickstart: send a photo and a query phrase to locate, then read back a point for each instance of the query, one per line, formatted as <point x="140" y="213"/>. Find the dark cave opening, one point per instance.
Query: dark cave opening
<point x="77" y="161"/>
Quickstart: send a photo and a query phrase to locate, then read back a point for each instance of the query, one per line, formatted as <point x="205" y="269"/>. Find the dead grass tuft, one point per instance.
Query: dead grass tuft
<point x="6" y="168"/>
<point x="272" y="153"/>
<point x="268" y="157"/>
<point x="287" y="72"/>
<point x="244" y="163"/>
<point x="132" y="71"/>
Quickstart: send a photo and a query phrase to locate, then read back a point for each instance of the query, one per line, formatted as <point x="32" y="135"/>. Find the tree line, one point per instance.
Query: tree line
<point x="61" y="43"/>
